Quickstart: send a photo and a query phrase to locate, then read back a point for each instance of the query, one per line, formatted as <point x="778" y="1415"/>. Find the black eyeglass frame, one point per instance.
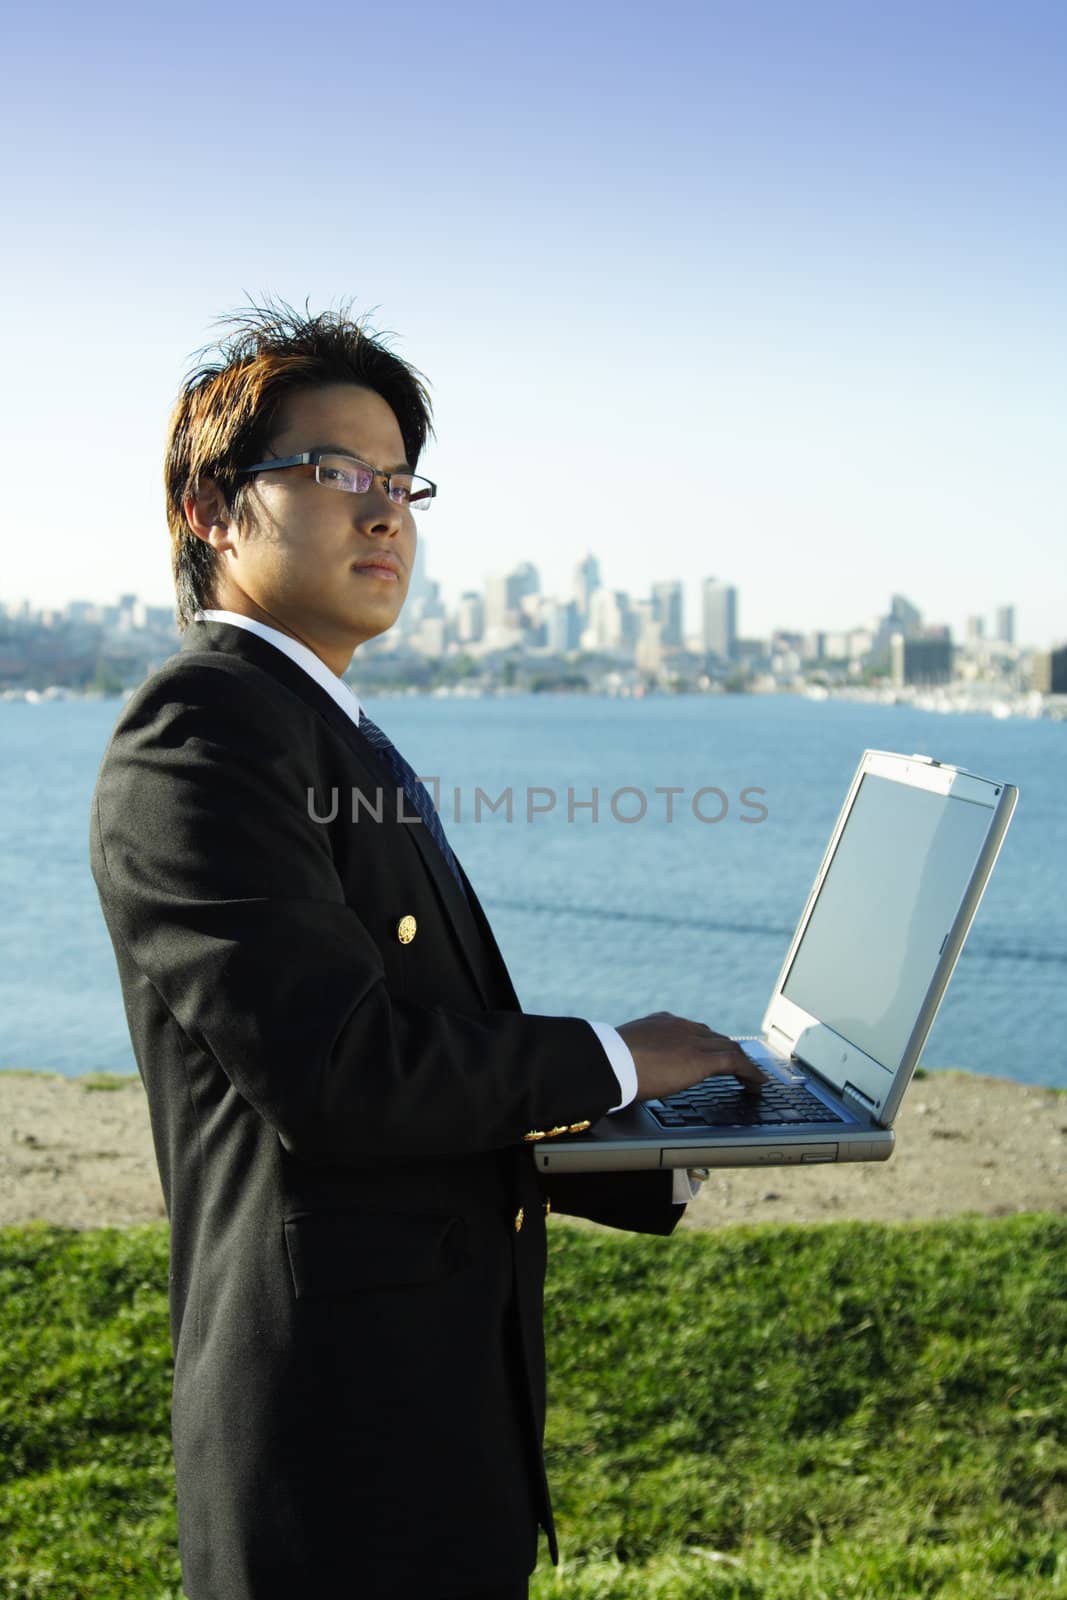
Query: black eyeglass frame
<point x="311" y="458"/>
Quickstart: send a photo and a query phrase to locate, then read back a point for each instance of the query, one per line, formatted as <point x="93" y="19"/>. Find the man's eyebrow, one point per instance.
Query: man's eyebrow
<point x="344" y="450"/>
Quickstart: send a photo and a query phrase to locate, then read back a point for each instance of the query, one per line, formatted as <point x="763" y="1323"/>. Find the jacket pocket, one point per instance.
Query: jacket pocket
<point x="334" y="1252"/>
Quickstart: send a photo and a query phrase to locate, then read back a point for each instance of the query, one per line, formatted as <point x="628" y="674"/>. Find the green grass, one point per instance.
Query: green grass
<point x="87" y="1080"/>
<point x="842" y="1412"/>
<point x="108" y="1080"/>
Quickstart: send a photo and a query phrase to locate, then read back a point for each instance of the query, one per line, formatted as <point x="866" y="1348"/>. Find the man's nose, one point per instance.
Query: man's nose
<point x="377" y="511"/>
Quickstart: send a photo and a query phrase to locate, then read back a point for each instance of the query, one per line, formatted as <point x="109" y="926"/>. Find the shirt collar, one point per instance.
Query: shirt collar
<point x="299" y="653"/>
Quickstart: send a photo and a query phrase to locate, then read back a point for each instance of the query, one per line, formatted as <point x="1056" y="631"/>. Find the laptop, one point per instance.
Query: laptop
<point x="885" y="921"/>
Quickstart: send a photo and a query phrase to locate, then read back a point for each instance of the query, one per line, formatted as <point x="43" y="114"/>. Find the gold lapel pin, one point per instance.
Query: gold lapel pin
<point x="405" y="929"/>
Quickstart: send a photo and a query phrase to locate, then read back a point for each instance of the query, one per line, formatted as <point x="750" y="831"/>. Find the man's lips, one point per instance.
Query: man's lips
<point x="379" y="567"/>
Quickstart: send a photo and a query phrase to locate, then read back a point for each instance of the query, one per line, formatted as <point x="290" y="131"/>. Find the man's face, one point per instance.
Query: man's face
<point x="304" y="554"/>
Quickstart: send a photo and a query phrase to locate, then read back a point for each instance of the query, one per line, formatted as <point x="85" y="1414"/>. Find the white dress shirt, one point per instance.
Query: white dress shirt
<point x="615" y="1048"/>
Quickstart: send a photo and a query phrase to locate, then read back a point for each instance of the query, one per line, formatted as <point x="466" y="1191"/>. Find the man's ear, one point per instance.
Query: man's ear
<point x="207" y="514"/>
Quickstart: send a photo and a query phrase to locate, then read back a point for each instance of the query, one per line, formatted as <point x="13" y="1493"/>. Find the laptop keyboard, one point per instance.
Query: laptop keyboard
<point x="721" y="1102"/>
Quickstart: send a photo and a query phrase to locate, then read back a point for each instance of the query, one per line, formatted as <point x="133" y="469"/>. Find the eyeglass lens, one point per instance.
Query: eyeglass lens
<point x="352" y="477"/>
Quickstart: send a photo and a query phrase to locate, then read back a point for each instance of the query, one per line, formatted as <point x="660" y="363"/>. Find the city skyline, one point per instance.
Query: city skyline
<point x="591" y="638"/>
<point x="987" y="616"/>
<point x="712" y="624"/>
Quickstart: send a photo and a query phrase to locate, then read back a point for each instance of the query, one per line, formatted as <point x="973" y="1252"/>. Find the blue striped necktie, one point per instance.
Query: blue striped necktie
<point x="416" y="792"/>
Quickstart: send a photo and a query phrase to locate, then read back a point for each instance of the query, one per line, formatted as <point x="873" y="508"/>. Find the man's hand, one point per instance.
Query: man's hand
<point x="671" y="1053"/>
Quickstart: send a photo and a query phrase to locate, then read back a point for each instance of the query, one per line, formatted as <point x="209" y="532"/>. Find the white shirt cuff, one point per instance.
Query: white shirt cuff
<point x="620" y="1060"/>
<point x="685" y="1187"/>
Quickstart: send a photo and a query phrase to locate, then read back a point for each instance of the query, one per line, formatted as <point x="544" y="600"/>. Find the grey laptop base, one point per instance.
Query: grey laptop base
<point x="877" y="942"/>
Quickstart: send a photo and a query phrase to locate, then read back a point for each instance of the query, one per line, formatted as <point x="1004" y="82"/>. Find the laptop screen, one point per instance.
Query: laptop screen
<point x="872" y="942"/>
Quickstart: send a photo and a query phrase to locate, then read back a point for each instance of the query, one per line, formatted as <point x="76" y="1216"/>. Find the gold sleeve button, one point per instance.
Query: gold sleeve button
<point x="520" y="1217"/>
<point x="406" y="929"/>
<point x="579" y="1127"/>
<point x="533" y="1136"/>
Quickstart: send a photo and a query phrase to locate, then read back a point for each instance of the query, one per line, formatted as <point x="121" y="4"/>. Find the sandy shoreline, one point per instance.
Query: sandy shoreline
<point x="84" y="1159"/>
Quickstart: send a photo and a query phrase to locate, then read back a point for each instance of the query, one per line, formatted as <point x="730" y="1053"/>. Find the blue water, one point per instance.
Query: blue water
<point x="600" y="918"/>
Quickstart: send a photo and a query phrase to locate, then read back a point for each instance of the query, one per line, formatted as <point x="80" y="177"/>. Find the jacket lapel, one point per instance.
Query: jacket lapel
<point x="465" y="916"/>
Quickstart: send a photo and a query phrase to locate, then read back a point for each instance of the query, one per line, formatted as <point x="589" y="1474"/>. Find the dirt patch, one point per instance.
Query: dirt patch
<point x="84" y="1159"/>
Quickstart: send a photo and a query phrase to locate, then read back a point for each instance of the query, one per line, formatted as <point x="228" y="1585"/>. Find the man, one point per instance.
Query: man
<point x="343" y="1089"/>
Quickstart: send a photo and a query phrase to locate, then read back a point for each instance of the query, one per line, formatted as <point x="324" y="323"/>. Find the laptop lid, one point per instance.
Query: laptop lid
<point x="884" y="924"/>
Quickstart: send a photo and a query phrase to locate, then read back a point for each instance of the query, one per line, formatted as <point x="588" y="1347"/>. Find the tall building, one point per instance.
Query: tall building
<point x="420" y="596"/>
<point x="470" y="617"/>
<point x="667" y="610"/>
<point x="607" y="620"/>
<point x="648" y="652"/>
<point x="133" y="613"/>
<point x="1005" y="621"/>
<point x="586" y="582"/>
<point x="526" y="580"/>
<point x="504" y="593"/>
<point x="496" y="600"/>
<point x="563" y="625"/>
<point x="905" y="617"/>
<point x="902" y="618"/>
<point x="418" y="581"/>
<point x="719" y="619"/>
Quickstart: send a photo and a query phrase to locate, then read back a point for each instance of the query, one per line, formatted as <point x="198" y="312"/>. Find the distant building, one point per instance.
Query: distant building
<point x="719" y="618"/>
<point x="902" y="618"/>
<point x="668" y="611"/>
<point x="606" y="628"/>
<point x="133" y="614"/>
<point x="526" y="580"/>
<point x="1048" y="671"/>
<point x="587" y="581"/>
<point x="975" y="630"/>
<point x="496" y="606"/>
<point x="906" y="618"/>
<point x="470" y="618"/>
<point x="920" y="661"/>
<point x="852" y="644"/>
<point x="834" y="647"/>
<point x="1005" y="624"/>
<point x="430" y="637"/>
<point x="504" y="593"/>
<point x="785" y="661"/>
<point x="562" y="624"/>
<point x="785" y="639"/>
<point x="649" y="652"/>
<point x="420" y="596"/>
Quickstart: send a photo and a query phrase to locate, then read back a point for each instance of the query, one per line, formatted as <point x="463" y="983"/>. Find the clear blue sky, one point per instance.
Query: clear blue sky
<point x="763" y="291"/>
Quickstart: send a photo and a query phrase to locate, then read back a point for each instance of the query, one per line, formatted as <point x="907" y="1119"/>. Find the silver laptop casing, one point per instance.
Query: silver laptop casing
<point x="795" y="1046"/>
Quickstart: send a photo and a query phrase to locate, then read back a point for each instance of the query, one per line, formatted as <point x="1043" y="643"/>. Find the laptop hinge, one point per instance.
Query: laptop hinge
<point x="779" y="1041"/>
<point x="850" y="1092"/>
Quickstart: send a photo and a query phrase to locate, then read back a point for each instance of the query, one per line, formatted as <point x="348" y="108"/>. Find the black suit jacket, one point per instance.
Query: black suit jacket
<point x="357" y="1228"/>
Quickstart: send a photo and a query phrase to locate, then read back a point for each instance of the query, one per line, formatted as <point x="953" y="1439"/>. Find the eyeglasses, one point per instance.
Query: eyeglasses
<point x="349" y="475"/>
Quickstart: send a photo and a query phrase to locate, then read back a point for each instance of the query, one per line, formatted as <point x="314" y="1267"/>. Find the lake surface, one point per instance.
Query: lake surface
<point x="596" y="916"/>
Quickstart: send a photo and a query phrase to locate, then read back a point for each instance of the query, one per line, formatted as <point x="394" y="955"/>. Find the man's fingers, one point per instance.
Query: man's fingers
<point x="725" y="1057"/>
